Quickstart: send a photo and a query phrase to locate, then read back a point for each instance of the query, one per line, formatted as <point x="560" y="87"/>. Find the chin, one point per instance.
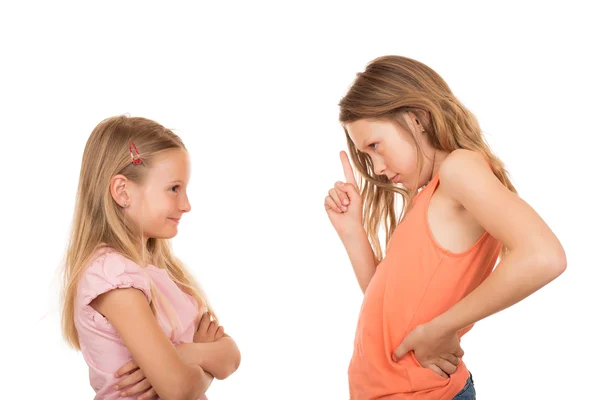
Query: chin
<point x="171" y="236"/>
<point x="165" y="235"/>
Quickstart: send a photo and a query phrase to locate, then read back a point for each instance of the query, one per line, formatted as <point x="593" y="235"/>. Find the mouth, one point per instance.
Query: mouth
<point x="396" y="178"/>
<point x="176" y="220"/>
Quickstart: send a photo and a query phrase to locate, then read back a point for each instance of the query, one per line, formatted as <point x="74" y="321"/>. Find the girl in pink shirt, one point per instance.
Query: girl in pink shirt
<point x="143" y="325"/>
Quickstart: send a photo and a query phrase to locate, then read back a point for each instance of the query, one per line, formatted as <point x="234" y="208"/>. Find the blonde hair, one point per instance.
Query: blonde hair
<point x="99" y="221"/>
<point x="389" y="89"/>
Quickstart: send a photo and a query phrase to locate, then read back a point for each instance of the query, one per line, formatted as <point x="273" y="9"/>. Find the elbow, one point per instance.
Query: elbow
<point x="230" y="367"/>
<point x="235" y="364"/>
<point x="552" y="263"/>
<point x="558" y="262"/>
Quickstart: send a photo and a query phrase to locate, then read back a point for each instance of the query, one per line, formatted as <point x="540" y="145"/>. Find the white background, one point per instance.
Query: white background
<point x="252" y="88"/>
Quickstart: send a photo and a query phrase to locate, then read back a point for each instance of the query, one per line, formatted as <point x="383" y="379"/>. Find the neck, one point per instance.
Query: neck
<point x="432" y="172"/>
<point x="432" y="166"/>
<point x="438" y="157"/>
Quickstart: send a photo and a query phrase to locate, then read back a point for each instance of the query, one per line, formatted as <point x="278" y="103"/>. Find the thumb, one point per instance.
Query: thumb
<point x="401" y="351"/>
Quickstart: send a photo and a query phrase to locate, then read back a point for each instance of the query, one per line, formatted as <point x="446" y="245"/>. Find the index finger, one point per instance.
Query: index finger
<point x="204" y="322"/>
<point x="348" y="171"/>
<point x="127" y="367"/>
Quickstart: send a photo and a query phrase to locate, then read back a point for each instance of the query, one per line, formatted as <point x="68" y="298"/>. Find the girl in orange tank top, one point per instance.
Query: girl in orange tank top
<point x="409" y="135"/>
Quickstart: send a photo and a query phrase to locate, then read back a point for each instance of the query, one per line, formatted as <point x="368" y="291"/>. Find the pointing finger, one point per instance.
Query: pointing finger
<point x="348" y="171"/>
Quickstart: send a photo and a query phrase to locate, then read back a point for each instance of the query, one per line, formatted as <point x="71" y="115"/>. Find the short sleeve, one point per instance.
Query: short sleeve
<point x="112" y="271"/>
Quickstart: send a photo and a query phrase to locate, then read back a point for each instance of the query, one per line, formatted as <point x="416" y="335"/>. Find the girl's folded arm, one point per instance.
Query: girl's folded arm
<point x="220" y="358"/>
<point x="129" y="312"/>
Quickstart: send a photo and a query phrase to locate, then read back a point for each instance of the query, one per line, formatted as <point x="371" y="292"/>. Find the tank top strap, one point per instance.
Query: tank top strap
<point x="426" y="190"/>
<point x="432" y="185"/>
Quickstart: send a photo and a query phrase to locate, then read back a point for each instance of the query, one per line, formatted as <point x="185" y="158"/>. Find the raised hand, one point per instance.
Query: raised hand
<point x="343" y="202"/>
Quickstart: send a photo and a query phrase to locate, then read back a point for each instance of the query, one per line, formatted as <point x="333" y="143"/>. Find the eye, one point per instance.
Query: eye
<point x="373" y="146"/>
<point x="174" y="188"/>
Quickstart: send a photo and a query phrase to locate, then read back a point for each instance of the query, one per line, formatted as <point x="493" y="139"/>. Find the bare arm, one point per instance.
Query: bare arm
<point x="129" y="312"/>
<point x="220" y="358"/>
<point x="344" y="209"/>
<point x="536" y="256"/>
<point x="361" y="255"/>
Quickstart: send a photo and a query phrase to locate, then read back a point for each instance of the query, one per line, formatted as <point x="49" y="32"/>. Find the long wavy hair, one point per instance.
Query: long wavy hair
<point x="99" y="221"/>
<point x="389" y="89"/>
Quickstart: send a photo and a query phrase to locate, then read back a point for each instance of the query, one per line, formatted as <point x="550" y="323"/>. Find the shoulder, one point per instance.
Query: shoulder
<point x="462" y="163"/>
<point x="465" y="173"/>
<point x="109" y="270"/>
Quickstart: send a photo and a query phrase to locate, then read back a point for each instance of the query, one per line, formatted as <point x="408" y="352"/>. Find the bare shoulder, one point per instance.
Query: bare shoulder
<point x="461" y="164"/>
<point x="464" y="170"/>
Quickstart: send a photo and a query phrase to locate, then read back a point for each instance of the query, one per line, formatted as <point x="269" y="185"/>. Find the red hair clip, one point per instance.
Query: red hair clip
<point x="135" y="159"/>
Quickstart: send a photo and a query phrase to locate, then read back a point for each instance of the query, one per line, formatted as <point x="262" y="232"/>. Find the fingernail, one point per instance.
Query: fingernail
<point x="116" y="387"/>
<point x="394" y="358"/>
<point x="123" y="394"/>
<point x="345" y="208"/>
<point x="346" y="202"/>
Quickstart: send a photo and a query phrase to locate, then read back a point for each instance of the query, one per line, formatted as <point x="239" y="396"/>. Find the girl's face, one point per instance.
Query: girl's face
<point x="391" y="149"/>
<point x="159" y="203"/>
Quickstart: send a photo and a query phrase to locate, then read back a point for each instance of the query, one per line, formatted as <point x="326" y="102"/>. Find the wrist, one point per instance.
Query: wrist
<point x="442" y="325"/>
<point x="353" y="231"/>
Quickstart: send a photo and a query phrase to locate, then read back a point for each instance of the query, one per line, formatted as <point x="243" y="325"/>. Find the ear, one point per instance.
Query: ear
<point x="118" y="190"/>
<point x="420" y="118"/>
<point x="412" y="120"/>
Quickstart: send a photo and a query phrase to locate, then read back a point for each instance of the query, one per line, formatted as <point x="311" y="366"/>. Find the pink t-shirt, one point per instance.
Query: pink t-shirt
<point x="101" y="345"/>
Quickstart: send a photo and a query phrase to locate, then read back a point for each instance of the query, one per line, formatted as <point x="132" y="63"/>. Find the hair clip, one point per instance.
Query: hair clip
<point x="135" y="159"/>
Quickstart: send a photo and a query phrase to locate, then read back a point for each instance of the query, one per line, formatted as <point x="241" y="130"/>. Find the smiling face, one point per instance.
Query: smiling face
<point x="158" y="204"/>
<point x="392" y="149"/>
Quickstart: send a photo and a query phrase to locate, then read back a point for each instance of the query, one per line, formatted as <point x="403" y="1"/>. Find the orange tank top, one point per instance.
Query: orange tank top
<point x="416" y="281"/>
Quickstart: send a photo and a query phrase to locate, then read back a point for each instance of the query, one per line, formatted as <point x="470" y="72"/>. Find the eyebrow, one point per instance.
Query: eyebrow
<point x="363" y="146"/>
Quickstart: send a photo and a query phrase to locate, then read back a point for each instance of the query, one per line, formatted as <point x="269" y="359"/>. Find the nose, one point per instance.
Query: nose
<point x="185" y="205"/>
<point x="378" y="166"/>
